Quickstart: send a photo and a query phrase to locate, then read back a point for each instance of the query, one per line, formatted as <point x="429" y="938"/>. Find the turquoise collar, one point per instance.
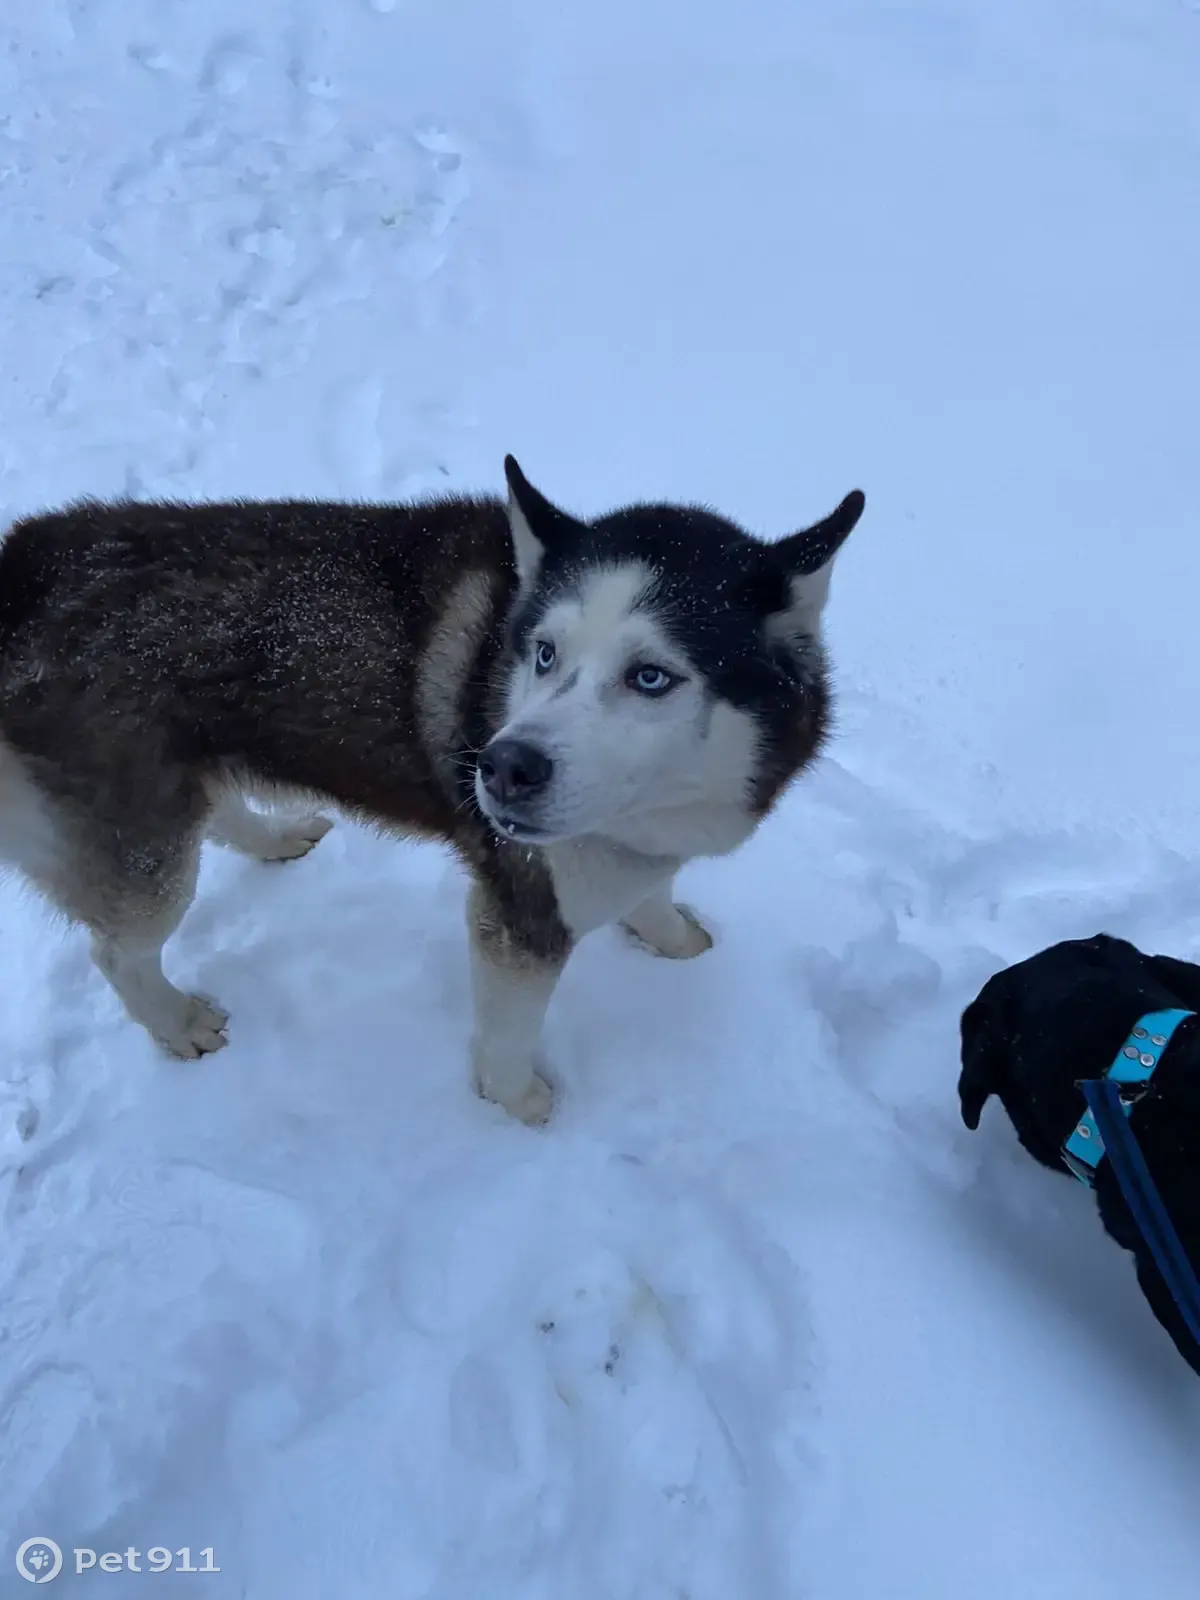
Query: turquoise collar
<point x="1132" y="1071"/>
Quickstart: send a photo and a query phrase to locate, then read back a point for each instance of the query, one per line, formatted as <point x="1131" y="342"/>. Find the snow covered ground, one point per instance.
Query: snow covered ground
<point x="755" y="1317"/>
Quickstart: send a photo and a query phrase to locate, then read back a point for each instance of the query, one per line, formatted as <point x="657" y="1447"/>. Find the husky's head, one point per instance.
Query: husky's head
<point x="665" y="677"/>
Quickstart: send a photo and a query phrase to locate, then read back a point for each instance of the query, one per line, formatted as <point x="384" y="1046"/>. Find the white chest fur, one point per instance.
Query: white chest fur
<point x="598" y="882"/>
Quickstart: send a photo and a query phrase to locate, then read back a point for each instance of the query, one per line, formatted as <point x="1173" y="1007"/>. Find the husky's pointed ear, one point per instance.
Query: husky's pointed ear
<point x="536" y="525"/>
<point x="806" y="558"/>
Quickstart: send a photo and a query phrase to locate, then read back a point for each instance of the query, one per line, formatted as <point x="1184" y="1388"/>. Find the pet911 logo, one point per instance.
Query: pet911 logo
<point x="40" y="1560"/>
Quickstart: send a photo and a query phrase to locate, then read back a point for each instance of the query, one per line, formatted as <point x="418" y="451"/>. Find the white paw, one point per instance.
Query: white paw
<point x="533" y="1108"/>
<point x="198" y="1030"/>
<point x="532" y="1105"/>
<point x="291" y="840"/>
<point x="678" y="938"/>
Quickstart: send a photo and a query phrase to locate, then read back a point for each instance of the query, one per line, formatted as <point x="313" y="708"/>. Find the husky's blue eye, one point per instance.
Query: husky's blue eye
<point x="650" y="680"/>
<point x="543" y="656"/>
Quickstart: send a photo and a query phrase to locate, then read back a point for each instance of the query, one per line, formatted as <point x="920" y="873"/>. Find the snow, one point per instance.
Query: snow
<point x="755" y="1316"/>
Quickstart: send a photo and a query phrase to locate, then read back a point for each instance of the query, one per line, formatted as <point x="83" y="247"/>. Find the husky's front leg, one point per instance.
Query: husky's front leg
<point x="666" y="928"/>
<point x="515" y="965"/>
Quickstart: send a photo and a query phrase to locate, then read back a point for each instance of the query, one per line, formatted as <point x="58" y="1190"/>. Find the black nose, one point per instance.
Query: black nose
<point x="513" y="770"/>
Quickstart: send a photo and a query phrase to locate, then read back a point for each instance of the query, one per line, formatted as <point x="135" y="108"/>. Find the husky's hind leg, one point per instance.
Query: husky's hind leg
<point x="133" y="903"/>
<point x="125" y="867"/>
<point x="233" y="823"/>
<point x="130" y="957"/>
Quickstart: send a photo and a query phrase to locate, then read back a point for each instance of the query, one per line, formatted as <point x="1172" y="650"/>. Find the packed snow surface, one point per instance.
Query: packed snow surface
<point x="755" y="1316"/>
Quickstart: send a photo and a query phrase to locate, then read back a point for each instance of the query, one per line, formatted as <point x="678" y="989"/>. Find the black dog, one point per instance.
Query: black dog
<point x="1040" y="1026"/>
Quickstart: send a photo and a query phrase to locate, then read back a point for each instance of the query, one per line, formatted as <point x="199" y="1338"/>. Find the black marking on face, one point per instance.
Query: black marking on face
<point x="711" y="590"/>
<point x="704" y="717"/>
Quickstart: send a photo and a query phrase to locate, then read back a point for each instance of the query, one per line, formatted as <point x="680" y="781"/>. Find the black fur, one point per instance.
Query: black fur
<point x="240" y="635"/>
<point x="144" y="646"/>
<point x="1039" y="1027"/>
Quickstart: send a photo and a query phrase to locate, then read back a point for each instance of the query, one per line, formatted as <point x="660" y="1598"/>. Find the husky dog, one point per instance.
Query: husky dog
<point x="576" y="707"/>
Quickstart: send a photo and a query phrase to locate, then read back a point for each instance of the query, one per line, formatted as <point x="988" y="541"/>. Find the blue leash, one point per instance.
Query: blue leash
<point x="1144" y="1201"/>
<point x="1104" y="1130"/>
